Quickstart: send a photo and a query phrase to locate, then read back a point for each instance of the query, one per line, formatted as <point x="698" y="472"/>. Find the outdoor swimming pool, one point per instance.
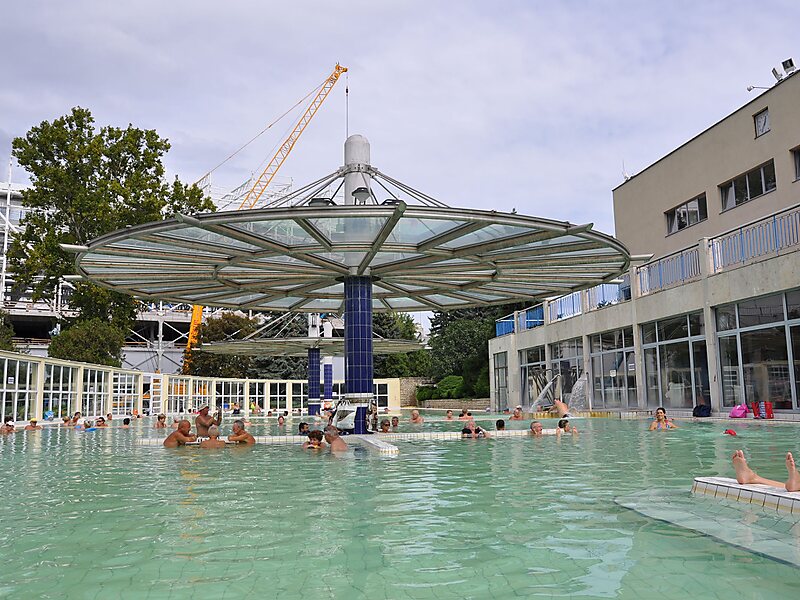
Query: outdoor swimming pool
<point x="93" y="515"/>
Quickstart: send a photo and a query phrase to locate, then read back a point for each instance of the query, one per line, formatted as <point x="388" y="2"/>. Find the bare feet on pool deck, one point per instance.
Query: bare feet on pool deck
<point x="793" y="483"/>
<point x="746" y="475"/>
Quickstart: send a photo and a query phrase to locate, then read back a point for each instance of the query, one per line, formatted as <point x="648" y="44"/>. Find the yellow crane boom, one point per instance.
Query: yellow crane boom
<point x="267" y="175"/>
<point x="263" y="181"/>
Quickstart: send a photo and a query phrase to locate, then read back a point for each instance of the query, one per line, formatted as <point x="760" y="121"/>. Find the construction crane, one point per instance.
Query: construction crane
<point x="263" y="181"/>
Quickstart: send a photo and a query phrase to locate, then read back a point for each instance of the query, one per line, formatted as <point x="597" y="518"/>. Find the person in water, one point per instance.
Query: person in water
<point x="180" y="436"/>
<point x="101" y="422"/>
<point x="161" y="422"/>
<point x="213" y="440"/>
<point x="416" y="417"/>
<point x="203" y="421"/>
<point x="385" y="426"/>
<point x="281" y="421"/>
<point x="517" y="414"/>
<point x="33" y="425"/>
<point x="536" y="429"/>
<point x="126" y="423"/>
<point x="448" y="416"/>
<point x="471" y="430"/>
<point x="240" y="434"/>
<point x="500" y="425"/>
<point x="336" y="443"/>
<point x="314" y="441"/>
<point x="746" y="475"/>
<point x="661" y="421"/>
<point x="560" y="409"/>
<point x="303" y="428"/>
<point x="395" y="423"/>
<point x="565" y="427"/>
<point x="76" y="417"/>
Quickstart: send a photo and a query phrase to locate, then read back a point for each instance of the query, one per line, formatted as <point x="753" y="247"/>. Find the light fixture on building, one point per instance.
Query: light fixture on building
<point x="788" y="66"/>
<point x="750" y="88"/>
<point x="776" y="75"/>
<point x="361" y="194"/>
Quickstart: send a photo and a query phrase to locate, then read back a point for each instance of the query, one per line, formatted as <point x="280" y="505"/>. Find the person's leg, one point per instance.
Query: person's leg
<point x="745" y="474"/>
<point x="793" y="483"/>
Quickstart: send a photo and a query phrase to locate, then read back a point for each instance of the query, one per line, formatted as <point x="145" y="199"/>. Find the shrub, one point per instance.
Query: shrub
<point x="481" y="387"/>
<point x="451" y="386"/>
<point x="424" y="392"/>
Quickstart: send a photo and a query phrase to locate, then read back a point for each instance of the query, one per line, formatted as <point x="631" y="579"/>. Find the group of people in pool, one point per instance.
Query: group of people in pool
<point x="207" y="429"/>
<point x="76" y="421"/>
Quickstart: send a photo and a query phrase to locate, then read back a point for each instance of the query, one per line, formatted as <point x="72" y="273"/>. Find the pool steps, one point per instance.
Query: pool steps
<point x="765" y="496"/>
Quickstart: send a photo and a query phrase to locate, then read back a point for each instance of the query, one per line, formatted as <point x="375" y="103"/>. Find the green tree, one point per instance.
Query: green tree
<point x="228" y="326"/>
<point x="6" y="332"/>
<point x="460" y="344"/>
<point x="93" y="341"/>
<point x="399" y="326"/>
<point x="87" y="182"/>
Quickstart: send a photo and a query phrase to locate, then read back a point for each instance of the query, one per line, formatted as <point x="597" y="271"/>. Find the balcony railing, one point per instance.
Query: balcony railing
<point x="531" y="317"/>
<point x="670" y="271"/>
<point x="564" y="307"/>
<point x="760" y="238"/>
<point x="504" y="325"/>
<point x="607" y="294"/>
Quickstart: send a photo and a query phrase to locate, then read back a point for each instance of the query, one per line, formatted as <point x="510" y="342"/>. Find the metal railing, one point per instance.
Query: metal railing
<point x="49" y="389"/>
<point x="530" y="317"/>
<point x="766" y="236"/>
<point x="608" y="294"/>
<point x="669" y="271"/>
<point x="564" y="307"/>
<point x="504" y="325"/>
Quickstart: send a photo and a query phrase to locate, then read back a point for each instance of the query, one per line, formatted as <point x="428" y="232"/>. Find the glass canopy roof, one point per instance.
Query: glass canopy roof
<point x="293" y="258"/>
<point x="300" y="346"/>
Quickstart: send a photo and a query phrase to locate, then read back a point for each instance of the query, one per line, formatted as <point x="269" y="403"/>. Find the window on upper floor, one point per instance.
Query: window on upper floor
<point x="796" y="157"/>
<point x="687" y="214"/>
<point x="761" y="122"/>
<point x="747" y="186"/>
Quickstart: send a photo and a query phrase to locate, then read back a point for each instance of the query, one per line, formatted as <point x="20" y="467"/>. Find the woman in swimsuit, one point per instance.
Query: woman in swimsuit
<point x="661" y="421"/>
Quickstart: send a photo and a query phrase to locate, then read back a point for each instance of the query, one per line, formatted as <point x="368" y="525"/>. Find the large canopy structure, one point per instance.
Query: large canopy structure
<point x="301" y="346"/>
<point x="353" y="242"/>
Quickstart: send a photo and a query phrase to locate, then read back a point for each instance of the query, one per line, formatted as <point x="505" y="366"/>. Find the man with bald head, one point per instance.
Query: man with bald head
<point x="180" y="436"/>
<point x="203" y="421"/>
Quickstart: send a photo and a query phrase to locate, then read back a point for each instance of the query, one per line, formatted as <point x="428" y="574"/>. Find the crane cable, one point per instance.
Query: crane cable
<point x="267" y="128"/>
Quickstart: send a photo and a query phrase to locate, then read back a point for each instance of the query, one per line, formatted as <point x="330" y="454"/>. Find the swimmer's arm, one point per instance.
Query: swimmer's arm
<point x="672" y="425"/>
<point x="185" y="438"/>
<point x="237" y="438"/>
<point x="653" y="426"/>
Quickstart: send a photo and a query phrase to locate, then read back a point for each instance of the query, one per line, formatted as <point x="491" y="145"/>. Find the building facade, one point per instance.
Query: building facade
<point x="714" y="317"/>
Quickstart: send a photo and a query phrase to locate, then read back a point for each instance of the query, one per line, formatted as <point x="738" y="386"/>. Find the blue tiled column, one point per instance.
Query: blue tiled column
<point x="327" y="379"/>
<point x="358" y="345"/>
<point x="313" y="381"/>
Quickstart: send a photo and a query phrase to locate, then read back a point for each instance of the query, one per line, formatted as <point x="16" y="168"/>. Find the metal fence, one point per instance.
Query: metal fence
<point x="531" y="317"/>
<point x="504" y="325"/>
<point x="760" y="238"/>
<point x="50" y="389"/>
<point x="607" y="294"/>
<point x="564" y="307"/>
<point x="670" y="271"/>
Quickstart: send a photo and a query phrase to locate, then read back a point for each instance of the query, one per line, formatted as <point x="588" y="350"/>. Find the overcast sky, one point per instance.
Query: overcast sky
<point x="527" y="105"/>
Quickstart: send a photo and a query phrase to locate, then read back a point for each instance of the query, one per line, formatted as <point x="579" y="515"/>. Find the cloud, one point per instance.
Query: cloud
<point x="526" y="105"/>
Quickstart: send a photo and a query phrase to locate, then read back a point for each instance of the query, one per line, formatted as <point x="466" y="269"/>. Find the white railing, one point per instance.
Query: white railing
<point x="564" y="307"/>
<point x="50" y="389"/>
<point x="608" y="294"/>
<point x="760" y="238"/>
<point x="669" y="271"/>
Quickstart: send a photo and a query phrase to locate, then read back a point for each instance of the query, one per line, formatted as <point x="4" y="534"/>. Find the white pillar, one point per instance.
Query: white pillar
<point x="356" y="152"/>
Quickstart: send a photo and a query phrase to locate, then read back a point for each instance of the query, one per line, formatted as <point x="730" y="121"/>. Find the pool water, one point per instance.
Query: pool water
<point x="93" y="515"/>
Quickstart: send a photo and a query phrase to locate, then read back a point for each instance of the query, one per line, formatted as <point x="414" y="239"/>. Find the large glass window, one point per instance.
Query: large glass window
<point x="534" y="374"/>
<point x="750" y="185"/>
<point x="501" y="380"/>
<point x="567" y="361"/>
<point x="676" y="367"/>
<point x="687" y="214"/>
<point x="613" y="369"/>
<point x="757" y="363"/>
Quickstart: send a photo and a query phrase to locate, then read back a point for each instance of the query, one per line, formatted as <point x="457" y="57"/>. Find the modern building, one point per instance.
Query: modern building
<point x="714" y="316"/>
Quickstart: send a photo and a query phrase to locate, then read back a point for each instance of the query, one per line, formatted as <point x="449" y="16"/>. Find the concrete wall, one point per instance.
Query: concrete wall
<point x="408" y="389"/>
<point x="725" y="150"/>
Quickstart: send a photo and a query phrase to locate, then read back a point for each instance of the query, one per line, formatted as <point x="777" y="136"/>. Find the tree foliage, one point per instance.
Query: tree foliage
<point x="6" y="332"/>
<point x="460" y="344"/>
<point x="399" y="326"/>
<point x="228" y="326"/>
<point x="87" y="182"/>
<point x="93" y="341"/>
